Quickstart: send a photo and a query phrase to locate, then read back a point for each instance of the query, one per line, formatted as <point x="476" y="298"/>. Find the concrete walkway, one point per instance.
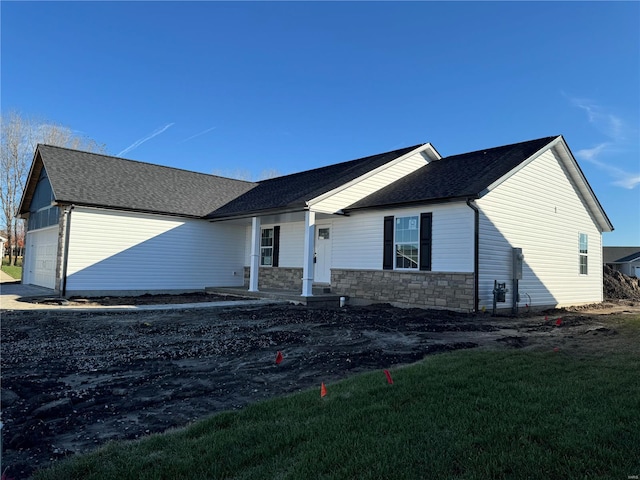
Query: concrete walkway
<point x="11" y="290"/>
<point x="6" y="278"/>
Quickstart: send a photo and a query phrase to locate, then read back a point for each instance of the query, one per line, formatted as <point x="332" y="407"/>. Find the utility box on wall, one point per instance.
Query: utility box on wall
<point x="517" y="260"/>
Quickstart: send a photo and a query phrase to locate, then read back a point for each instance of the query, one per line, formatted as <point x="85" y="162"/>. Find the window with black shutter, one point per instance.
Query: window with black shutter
<point x="407" y="242"/>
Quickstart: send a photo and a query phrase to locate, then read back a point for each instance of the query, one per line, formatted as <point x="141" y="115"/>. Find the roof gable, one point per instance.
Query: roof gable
<point x="90" y="179"/>
<point x="347" y="193"/>
<point x="474" y="174"/>
<point x="454" y="177"/>
<point x="292" y="192"/>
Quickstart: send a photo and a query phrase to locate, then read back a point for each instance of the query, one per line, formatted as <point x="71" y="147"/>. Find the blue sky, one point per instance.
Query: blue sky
<point x="245" y="88"/>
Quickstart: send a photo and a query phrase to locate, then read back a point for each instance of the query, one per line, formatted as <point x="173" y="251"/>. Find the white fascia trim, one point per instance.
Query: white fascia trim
<point x="427" y="148"/>
<point x="581" y="183"/>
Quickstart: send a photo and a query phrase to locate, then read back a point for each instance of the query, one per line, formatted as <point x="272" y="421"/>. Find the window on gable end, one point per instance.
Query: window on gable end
<point x="583" y="254"/>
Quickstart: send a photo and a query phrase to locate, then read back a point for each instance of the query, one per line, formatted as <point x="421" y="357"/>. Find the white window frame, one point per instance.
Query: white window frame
<point x="404" y="241"/>
<point x="583" y="254"/>
<point x="266" y="248"/>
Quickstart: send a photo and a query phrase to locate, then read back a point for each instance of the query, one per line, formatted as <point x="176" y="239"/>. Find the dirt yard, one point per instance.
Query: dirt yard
<point x="72" y="381"/>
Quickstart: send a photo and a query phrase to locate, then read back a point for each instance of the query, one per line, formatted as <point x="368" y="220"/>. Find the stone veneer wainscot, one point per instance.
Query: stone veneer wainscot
<point x="453" y="291"/>
<point x="279" y="278"/>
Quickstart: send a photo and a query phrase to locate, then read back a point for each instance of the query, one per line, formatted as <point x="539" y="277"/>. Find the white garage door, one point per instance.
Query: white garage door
<point x="43" y="245"/>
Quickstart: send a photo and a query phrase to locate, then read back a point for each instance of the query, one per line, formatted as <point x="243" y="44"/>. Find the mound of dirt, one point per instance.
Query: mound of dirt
<point x="618" y="286"/>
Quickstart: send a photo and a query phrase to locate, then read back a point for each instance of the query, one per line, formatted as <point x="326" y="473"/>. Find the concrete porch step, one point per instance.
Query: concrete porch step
<point x="320" y="289"/>
<point x="317" y="300"/>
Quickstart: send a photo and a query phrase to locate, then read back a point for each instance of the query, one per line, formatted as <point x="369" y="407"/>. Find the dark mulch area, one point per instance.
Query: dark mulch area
<point x="146" y="299"/>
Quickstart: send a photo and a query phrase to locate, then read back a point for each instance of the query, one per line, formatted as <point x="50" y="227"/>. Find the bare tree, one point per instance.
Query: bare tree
<point x="19" y="137"/>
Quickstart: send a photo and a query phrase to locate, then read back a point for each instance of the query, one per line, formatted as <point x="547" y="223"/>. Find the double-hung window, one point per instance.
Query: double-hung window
<point x="584" y="248"/>
<point x="270" y="246"/>
<point x="266" y="247"/>
<point x="407" y="242"/>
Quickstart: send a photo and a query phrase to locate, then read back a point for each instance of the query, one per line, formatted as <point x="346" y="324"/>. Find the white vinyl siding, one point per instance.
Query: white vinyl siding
<point x="358" y="238"/>
<point x="126" y="251"/>
<point x="366" y="186"/>
<point x="538" y="210"/>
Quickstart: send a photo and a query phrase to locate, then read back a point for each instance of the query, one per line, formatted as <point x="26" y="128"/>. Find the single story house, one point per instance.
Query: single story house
<point x="623" y="259"/>
<point x="407" y="227"/>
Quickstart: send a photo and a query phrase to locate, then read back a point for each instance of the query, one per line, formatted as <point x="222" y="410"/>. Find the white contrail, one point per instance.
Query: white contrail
<point x="617" y="130"/>
<point x="198" y="134"/>
<point x="137" y="143"/>
<point x="624" y="178"/>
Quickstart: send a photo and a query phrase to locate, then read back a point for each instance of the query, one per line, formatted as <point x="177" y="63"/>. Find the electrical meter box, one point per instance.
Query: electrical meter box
<point x="517" y="258"/>
<point x="499" y="292"/>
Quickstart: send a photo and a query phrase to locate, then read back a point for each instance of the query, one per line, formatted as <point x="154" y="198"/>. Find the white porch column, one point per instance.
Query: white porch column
<point x="309" y="250"/>
<point x="254" y="266"/>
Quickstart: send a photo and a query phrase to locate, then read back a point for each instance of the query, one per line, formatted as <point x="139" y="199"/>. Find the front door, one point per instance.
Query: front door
<point x="322" y="271"/>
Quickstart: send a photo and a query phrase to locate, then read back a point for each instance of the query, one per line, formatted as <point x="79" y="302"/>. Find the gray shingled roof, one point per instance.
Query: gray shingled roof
<point x="458" y="176"/>
<point x="629" y="258"/>
<point x="618" y="254"/>
<point x="99" y="180"/>
<point x="86" y="178"/>
<point x="292" y="191"/>
<point x="612" y="254"/>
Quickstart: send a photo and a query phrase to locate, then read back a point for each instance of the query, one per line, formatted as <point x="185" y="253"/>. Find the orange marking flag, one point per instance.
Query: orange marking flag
<point x="323" y="391"/>
<point x="389" y="379"/>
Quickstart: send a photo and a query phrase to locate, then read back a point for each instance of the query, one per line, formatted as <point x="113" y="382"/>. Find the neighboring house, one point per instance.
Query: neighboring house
<point x="2" y="242"/>
<point x="406" y="227"/>
<point x="623" y="259"/>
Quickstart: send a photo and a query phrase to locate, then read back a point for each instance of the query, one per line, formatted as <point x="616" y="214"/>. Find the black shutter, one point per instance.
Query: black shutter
<point x="387" y="252"/>
<point x="425" y="241"/>
<point x="276" y="246"/>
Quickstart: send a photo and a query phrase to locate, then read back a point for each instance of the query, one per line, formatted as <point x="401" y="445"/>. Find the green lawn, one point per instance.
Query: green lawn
<point x="15" y="272"/>
<point x="470" y="414"/>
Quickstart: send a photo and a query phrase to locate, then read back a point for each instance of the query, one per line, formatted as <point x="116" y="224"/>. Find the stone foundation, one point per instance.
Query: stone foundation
<point x="279" y="278"/>
<point x="452" y="291"/>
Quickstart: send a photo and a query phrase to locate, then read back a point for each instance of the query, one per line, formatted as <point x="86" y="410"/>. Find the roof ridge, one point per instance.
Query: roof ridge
<point x="114" y="157"/>
<point x="553" y="137"/>
<point x="331" y="165"/>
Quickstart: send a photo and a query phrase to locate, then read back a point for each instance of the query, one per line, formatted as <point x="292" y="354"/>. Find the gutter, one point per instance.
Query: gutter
<point x="65" y="260"/>
<point x="476" y="253"/>
<point x="255" y="213"/>
<point x="412" y="203"/>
